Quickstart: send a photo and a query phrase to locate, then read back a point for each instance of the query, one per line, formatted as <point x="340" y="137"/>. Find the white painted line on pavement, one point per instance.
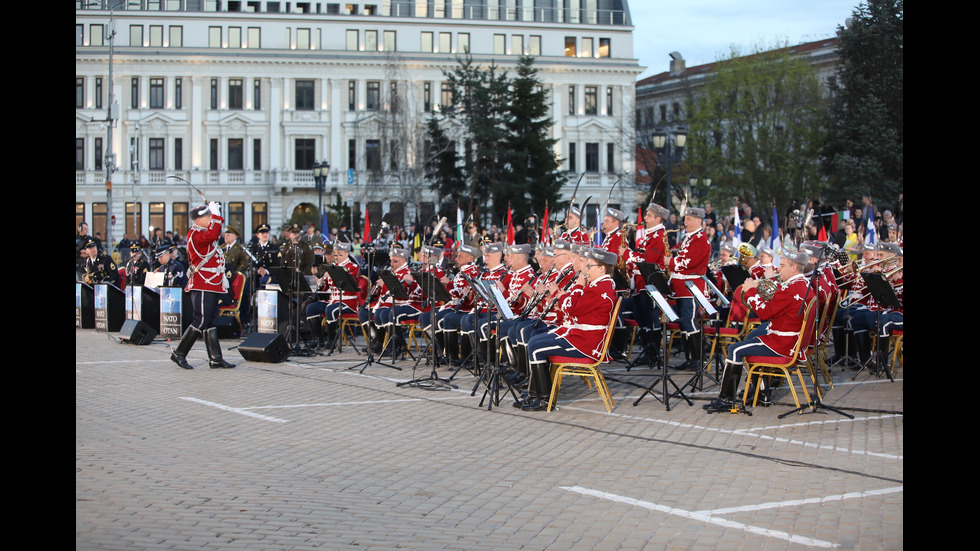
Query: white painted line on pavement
<point x="807" y="501"/>
<point x="367" y="402"/>
<point x="703" y="517"/>
<point x="745" y="432"/>
<point x="235" y="410"/>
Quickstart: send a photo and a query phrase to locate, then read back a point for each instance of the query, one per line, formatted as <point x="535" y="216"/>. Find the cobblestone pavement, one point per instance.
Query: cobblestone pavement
<point x="308" y="454"/>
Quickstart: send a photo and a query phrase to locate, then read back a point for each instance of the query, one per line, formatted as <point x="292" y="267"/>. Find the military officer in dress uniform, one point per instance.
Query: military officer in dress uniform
<point x="689" y="264"/>
<point x="99" y="267"/>
<point x="337" y="302"/>
<point x="612" y="222"/>
<point x="206" y="283"/>
<point x="237" y="261"/>
<point x="652" y="248"/>
<point x="575" y="232"/>
<point x="266" y="255"/>
<point x="137" y="265"/>
<point x="173" y="271"/>
<point x="296" y="253"/>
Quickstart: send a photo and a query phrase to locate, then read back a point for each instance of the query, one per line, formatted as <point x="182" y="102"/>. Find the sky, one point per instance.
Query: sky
<point x="705" y="30"/>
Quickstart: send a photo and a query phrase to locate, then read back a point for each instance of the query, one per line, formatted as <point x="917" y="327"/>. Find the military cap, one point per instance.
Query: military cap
<point x="662" y="212"/>
<point x="602" y="255"/>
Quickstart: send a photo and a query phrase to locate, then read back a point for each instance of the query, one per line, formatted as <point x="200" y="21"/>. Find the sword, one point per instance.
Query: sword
<point x="192" y="187"/>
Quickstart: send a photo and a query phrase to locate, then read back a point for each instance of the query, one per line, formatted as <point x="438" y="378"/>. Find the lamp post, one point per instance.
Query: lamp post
<point x="320" y="172"/>
<point x="670" y="150"/>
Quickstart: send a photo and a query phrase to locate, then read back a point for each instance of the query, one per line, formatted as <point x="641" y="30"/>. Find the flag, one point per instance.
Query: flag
<point x="545" y="235"/>
<point x="459" y="226"/>
<point x="367" y="226"/>
<point x="774" y="241"/>
<point x="510" y="227"/>
<point x="738" y="230"/>
<point x="597" y="239"/>
<point x="822" y="236"/>
<point x="869" y="236"/>
<point x="324" y="227"/>
<point x="641" y="229"/>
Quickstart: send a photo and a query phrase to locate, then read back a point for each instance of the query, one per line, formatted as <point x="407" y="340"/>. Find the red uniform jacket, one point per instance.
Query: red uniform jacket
<point x="784" y="313"/>
<point x="207" y="263"/>
<point x="690" y="263"/>
<point x="588" y="317"/>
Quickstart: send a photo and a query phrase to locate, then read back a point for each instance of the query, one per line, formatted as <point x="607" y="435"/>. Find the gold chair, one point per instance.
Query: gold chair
<point x="779" y="366"/>
<point x="562" y="366"/>
<point x="237" y="288"/>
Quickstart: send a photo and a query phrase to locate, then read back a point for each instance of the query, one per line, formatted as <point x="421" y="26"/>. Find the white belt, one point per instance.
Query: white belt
<point x="784" y="333"/>
<point x="684" y="276"/>
<point x="589" y="327"/>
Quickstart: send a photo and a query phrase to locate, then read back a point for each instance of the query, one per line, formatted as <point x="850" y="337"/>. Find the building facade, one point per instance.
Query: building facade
<point x="241" y="99"/>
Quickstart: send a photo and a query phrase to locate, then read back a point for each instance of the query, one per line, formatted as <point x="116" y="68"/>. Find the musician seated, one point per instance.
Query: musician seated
<point x="784" y="312"/>
<point x="582" y="334"/>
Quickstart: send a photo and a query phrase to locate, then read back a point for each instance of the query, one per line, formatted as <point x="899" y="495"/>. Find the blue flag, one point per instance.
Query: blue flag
<point x="324" y="227"/>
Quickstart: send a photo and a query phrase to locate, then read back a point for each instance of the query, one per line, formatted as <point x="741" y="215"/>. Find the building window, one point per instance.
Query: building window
<point x="604" y="47"/>
<point x="427" y="41"/>
<point x="156" y="93"/>
<point x="178" y="153"/>
<point x="571" y="99"/>
<point x="236" y="215"/>
<point x="99" y="219"/>
<point x="136" y="35"/>
<point x="79" y="93"/>
<point x="98" y="92"/>
<point x="234" y="37"/>
<point x="517" y="44"/>
<point x="214" y="93"/>
<point x="499" y="44"/>
<point x="609" y="100"/>
<point x="176" y="36"/>
<point x="572" y="158"/>
<point x="236" y="93"/>
<point x="445" y="43"/>
<point x="373" y="100"/>
<point x="352" y="40"/>
<point x="96" y="35"/>
<point x="260" y="214"/>
<point x="256" y="154"/>
<point x="158" y="213"/>
<point x="214" y="37"/>
<point x="305" y="90"/>
<point x="534" y="45"/>
<point x="303" y="39"/>
<point x="569" y="46"/>
<point x="352" y="154"/>
<point x="97" y="154"/>
<point x="178" y="93"/>
<point x="586" y="47"/>
<point x="257" y="94"/>
<point x="79" y="153"/>
<point x="663" y="113"/>
<point x="610" y="157"/>
<point x="592" y="157"/>
<point x="591" y="100"/>
<point x="389" y="42"/>
<point x="156" y="36"/>
<point x="254" y="38"/>
<point x="371" y="41"/>
<point x="179" y="222"/>
<point x="236" y="154"/>
<point x="134" y="211"/>
<point x="427" y="97"/>
<point x="372" y="155"/>
<point x="79" y="35"/>
<point x="446" y="93"/>
<point x="134" y="90"/>
<point x="157" y="159"/>
<point x="463" y="43"/>
<point x="305" y="150"/>
<point x="393" y="154"/>
<point x="352" y="95"/>
<point x="213" y="158"/>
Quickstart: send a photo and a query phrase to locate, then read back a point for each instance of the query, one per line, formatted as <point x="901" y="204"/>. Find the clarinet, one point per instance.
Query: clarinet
<point x="554" y="300"/>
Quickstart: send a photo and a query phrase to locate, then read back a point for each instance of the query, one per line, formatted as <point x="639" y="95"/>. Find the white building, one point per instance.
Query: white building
<point x="241" y="98"/>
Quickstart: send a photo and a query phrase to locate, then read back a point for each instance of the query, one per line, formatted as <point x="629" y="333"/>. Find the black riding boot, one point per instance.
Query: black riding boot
<point x="214" y="349"/>
<point x="187" y="340"/>
<point x="729" y="389"/>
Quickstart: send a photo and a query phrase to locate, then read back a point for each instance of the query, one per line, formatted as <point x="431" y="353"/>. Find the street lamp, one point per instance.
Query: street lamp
<point x="670" y="150"/>
<point x="320" y="172"/>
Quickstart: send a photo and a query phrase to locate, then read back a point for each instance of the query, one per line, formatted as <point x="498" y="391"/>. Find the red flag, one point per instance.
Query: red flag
<point x="367" y="226"/>
<point x="510" y="228"/>
<point x="546" y="235"/>
<point x="822" y="236"/>
<point x="835" y="221"/>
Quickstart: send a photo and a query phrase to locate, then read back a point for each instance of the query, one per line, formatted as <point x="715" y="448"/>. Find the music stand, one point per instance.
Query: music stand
<point x="369" y="361"/>
<point x="398" y="292"/>
<point x="885" y="296"/>
<point x="433" y="291"/>
<point x="654" y="277"/>
<point x="342" y="280"/>
<point x="491" y="376"/>
<point x="481" y="296"/>
<point x="697" y="381"/>
<point x="658" y="288"/>
<point x="289" y="281"/>
<point x="734" y="274"/>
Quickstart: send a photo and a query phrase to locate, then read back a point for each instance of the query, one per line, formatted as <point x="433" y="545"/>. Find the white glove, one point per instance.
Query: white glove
<point x="215" y="208"/>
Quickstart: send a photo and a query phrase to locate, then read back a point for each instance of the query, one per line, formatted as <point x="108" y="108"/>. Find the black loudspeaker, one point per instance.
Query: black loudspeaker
<point x="137" y="332"/>
<point x="264" y="347"/>
<point x="228" y="328"/>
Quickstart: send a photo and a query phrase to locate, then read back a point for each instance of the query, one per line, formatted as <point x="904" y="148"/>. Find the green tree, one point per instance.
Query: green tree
<point x="864" y="152"/>
<point x="529" y="154"/>
<point x="756" y="128"/>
